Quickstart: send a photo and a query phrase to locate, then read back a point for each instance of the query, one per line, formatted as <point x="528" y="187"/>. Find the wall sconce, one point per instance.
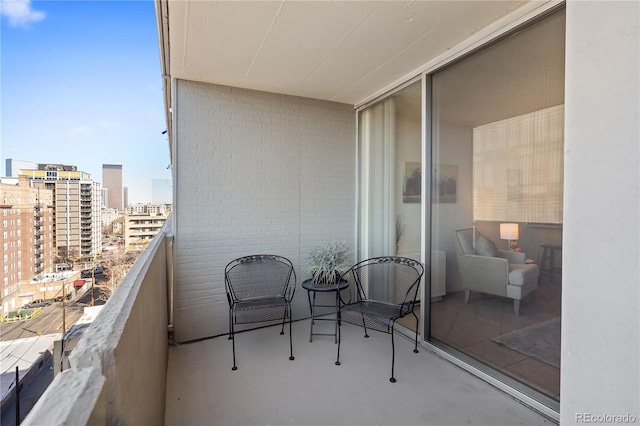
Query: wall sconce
<point x="509" y="232"/>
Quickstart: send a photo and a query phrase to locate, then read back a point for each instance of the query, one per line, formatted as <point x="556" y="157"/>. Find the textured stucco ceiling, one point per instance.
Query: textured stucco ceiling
<point x="343" y="51"/>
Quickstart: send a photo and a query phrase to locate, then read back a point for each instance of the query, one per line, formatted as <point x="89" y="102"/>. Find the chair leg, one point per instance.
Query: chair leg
<point x="415" y="348"/>
<point x="233" y="344"/>
<point x="393" y="356"/>
<point x="291" y="358"/>
<point x="284" y="319"/>
<point x="365" y="327"/>
<point x="338" y="357"/>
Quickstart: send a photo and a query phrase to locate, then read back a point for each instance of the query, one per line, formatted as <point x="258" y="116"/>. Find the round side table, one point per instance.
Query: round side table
<point x="314" y="288"/>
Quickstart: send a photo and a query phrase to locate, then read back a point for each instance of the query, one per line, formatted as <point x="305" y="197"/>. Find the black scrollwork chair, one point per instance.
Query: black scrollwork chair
<point x="385" y="289"/>
<point x="259" y="289"/>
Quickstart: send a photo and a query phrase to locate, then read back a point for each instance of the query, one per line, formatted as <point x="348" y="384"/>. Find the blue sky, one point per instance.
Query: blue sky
<point x="80" y="84"/>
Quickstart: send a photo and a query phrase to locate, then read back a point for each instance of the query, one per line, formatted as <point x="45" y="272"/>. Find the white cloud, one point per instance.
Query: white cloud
<point x="19" y="13"/>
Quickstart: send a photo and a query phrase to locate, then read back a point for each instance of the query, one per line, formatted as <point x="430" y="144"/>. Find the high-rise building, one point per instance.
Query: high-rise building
<point x="112" y="181"/>
<point x="161" y="191"/>
<point x="27" y="219"/>
<point x="13" y="167"/>
<point x="125" y="197"/>
<point x="77" y="201"/>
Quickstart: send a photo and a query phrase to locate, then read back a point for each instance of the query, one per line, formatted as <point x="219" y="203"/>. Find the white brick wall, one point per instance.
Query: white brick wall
<point x="256" y="172"/>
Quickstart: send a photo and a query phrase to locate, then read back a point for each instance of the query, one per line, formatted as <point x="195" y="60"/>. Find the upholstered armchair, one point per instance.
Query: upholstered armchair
<point x="485" y="269"/>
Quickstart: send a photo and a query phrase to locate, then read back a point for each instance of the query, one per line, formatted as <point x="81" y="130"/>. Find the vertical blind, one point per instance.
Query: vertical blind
<point x="377" y="191"/>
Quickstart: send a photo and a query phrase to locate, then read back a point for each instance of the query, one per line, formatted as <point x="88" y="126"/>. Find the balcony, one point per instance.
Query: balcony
<point x="127" y="350"/>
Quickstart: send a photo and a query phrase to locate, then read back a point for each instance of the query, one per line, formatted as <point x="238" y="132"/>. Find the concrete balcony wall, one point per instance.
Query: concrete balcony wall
<point x="118" y="369"/>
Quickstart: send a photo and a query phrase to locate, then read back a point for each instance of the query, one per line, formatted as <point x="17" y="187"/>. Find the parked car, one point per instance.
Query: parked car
<point x="37" y="303"/>
<point x="88" y="273"/>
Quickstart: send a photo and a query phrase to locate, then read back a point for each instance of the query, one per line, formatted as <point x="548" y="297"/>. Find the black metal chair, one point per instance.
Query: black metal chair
<point x="385" y="289"/>
<point x="259" y="289"/>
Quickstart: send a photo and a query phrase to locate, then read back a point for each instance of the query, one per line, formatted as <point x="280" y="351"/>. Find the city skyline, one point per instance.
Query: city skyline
<point x="82" y="86"/>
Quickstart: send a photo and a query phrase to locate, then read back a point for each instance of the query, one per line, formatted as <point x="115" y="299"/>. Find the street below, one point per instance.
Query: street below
<point x="49" y="321"/>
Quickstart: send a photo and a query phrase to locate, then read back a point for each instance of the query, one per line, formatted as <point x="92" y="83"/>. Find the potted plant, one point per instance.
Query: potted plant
<point x="327" y="262"/>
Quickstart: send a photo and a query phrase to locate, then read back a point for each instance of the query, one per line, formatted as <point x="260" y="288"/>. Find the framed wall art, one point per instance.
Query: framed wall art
<point x="444" y="184"/>
<point x="412" y="185"/>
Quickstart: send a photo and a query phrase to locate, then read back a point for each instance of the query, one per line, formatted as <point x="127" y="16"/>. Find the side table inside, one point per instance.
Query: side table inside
<point x="314" y="288"/>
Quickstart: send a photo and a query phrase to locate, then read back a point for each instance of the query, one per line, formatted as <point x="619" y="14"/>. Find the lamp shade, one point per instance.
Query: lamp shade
<point x="509" y="231"/>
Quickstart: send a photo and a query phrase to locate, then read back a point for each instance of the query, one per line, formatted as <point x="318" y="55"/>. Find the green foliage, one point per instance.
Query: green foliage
<point x="327" y="262"/>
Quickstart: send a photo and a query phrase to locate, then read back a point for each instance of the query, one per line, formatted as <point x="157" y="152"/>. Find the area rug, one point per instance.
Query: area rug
<point x="540" y="341"/>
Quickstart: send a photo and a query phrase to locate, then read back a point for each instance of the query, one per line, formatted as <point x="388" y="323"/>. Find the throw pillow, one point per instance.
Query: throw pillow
<point x="485" y="247"/>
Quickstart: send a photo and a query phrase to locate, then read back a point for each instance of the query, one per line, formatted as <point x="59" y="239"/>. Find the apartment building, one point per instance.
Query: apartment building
<point x="108" y="216"/>
<point x="142" y="222"/>
<point x="27" y="217"/>
<point x="77" y="204"/>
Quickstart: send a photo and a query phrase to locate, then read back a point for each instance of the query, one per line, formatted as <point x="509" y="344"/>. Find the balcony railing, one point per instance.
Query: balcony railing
<point x="118" y="369"/>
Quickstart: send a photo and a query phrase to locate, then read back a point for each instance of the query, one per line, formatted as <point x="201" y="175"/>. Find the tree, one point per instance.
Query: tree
<point x="116" y="264"/>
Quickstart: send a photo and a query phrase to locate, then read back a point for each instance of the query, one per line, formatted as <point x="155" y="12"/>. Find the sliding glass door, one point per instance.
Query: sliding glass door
<point x="497" y="158"/>
<point x="477" y="196"/>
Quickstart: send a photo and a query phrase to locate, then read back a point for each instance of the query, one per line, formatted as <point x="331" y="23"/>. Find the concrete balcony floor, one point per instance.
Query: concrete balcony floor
<point x="269" y="389"/>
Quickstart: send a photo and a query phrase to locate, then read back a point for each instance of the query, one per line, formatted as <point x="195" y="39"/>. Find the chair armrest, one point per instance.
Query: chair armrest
<point x="512" y="256"/>
<point x="475" y="261"/>
<point x="484" y="273"/>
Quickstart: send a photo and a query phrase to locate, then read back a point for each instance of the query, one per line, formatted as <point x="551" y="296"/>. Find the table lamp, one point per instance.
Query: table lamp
<point x="509" y="232"/>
